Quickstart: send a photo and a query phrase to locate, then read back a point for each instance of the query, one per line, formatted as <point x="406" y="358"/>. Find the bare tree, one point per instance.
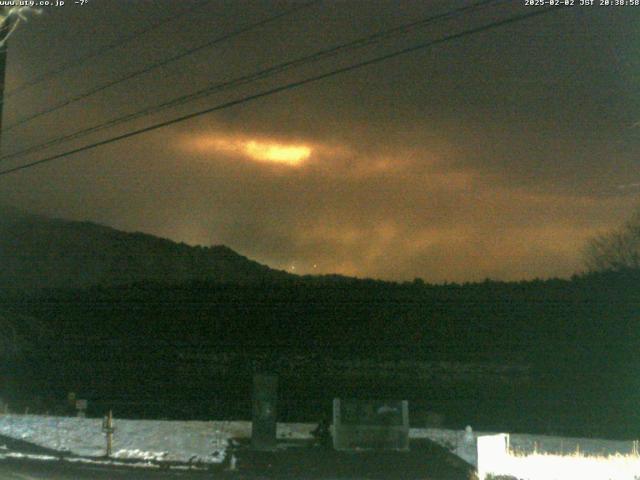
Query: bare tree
<point x="617" y="250"/>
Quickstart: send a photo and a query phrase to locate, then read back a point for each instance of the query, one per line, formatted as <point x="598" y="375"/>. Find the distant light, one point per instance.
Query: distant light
<point x="277" y="153"/>
<point x="261" y="150"/>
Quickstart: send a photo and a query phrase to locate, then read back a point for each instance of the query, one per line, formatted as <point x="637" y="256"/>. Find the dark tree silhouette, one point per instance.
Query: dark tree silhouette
<point x="617" y="250"/>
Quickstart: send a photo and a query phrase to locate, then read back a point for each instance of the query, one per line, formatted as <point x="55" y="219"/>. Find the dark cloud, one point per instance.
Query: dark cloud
<point x="496" y="155"/>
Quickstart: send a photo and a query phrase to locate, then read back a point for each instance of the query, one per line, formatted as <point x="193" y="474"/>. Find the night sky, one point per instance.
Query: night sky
<point x="494" y="155"/>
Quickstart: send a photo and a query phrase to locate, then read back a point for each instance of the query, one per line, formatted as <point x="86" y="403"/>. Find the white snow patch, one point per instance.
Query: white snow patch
<point x="497" y="458"/>
<point x="137" y="453"/>
<point x="142" y="439"/>
<point x="26" y="455"/>
<point x="458" y="442"/>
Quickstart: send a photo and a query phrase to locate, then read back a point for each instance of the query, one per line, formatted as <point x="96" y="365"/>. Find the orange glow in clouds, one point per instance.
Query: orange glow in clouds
<point x="257" y="150"/>
<point x="273" y="152"/>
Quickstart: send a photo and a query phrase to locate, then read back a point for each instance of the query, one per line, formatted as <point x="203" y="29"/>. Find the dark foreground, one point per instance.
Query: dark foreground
<point x="37" y="469"/>
<point x="294" y="460"/>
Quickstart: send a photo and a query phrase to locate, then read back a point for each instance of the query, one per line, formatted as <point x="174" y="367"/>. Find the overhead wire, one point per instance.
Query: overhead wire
<point x="261" y="74"/>
<point x="9" y="20"/>
<point x="162" y="63"/>
<point x="101" y="51"/>
<point x="287" y="86"/>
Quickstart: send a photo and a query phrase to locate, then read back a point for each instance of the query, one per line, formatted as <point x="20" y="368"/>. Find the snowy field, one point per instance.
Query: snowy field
<point x="140" y="439"/>
<point x="207" y="442"/>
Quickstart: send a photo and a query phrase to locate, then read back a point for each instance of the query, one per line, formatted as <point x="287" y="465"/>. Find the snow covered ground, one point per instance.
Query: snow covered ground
<point x="180" y="441"/>
<point x="497" y="458"/>
<point x="140" y="439"/>
<point x="465" y="445"/>
<point x="207" y="442"/>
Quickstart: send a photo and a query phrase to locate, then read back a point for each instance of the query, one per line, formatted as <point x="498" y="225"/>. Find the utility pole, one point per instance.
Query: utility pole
<point x="9" y="19"/>
<point x="108" y="429"/>
<point x="7" y="26"/>
<point x="5" y="30"/>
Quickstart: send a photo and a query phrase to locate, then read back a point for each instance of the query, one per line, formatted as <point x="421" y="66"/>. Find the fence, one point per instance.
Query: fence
<point x="369" y="424"/>
<point x="495" y="457"/>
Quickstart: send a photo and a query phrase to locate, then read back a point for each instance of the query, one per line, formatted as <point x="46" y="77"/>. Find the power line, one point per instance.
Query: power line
<point x="104" y="49"/>
<point x="246" y="79"/>
<point x="288" y="86"/>
<point x="162" y="63"/>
